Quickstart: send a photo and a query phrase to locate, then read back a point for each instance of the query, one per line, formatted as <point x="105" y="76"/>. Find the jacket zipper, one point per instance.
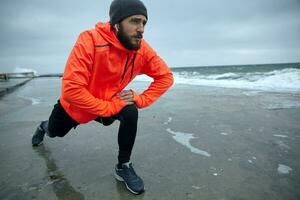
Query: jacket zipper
<point x="132" y="66"/>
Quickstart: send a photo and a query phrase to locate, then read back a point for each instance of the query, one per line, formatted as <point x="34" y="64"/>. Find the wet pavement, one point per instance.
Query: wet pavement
<point x="194" y="143"/>
<point x="7" y="86"/>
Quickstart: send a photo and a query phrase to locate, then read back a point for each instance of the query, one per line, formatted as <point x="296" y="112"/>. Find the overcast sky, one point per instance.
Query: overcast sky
<point x="39" y="34"/>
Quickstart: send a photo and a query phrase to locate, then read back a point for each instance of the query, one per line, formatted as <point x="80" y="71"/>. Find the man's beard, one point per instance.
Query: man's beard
<point x="125" y="40"/>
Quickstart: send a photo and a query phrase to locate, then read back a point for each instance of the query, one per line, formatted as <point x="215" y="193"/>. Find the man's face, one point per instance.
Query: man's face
<point x="130" y="31"/>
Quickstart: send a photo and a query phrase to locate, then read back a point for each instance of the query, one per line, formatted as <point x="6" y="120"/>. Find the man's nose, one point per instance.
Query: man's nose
<point x="141" y="28"/>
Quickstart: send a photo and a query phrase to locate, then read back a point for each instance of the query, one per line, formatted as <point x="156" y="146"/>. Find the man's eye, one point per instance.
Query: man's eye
<point x="136" y="21"/>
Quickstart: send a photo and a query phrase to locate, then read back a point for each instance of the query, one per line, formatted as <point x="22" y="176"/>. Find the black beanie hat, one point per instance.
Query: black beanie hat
<point x="120" y="9"/>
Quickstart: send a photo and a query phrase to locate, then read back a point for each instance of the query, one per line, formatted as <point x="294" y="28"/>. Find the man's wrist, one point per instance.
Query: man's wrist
<point x="136" y="98"/>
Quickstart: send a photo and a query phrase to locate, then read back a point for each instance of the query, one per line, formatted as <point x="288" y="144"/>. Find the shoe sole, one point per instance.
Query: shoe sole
<point x="119" y="178"/>
<point x="35" y="145"/>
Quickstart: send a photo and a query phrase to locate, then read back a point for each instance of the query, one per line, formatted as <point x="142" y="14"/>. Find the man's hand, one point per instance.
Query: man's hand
<point x="127" y="96"/>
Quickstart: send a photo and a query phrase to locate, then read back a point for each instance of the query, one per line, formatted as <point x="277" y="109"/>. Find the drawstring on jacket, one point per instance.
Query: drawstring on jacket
<point x="126" y="65"/>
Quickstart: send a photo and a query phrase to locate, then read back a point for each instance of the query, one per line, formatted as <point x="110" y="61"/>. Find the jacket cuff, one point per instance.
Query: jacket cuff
<point x="117" y="106"/>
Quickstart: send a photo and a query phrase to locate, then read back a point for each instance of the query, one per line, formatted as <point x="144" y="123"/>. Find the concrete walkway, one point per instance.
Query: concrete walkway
<point x="194" y="143"/>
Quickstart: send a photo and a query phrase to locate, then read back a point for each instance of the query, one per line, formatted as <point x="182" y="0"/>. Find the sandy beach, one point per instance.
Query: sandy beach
<point x="194" y="143"/>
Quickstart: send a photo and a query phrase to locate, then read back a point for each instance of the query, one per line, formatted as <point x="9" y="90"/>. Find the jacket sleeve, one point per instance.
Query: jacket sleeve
<point x="76" y="78"/>
<point x="162" y="76"/>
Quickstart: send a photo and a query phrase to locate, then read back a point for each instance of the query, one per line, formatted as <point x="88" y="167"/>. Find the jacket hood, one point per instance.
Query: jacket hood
<point x="108" y="34"/>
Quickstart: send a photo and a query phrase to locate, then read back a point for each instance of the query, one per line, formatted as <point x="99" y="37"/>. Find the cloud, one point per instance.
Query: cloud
<point x="41" y="33"/>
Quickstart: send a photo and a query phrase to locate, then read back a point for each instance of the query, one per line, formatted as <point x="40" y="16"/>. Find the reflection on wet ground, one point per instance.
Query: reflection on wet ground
<point x="60" y="184"/>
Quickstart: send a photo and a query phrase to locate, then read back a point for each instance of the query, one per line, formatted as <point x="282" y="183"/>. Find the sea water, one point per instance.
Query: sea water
<point x="266" y="77"/>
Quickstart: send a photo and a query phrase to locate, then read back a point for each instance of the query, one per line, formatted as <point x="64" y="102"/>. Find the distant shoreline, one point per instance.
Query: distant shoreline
<point x="49" y="75"/>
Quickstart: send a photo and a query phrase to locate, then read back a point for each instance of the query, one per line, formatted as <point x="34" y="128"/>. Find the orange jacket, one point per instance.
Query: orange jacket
<point x="99" y="67"/>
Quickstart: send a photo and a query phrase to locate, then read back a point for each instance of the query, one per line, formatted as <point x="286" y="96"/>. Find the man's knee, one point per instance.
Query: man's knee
<point x="56" y="131"/>
<point x="129" y="113"/>
<point x="53" y="132"/>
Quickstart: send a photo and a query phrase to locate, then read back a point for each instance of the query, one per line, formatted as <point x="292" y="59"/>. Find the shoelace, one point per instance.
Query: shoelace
<point x="130" y="173"/>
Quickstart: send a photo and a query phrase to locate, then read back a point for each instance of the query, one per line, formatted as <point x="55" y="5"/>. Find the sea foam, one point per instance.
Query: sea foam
<point x="280" y="80"/>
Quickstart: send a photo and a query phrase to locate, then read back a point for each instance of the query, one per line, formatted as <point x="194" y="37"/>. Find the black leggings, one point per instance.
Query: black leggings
<point x="60" y="123"/>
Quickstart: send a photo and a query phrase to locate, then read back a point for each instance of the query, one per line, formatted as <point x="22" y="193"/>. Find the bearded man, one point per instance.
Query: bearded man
<point x="103" y="61"/>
